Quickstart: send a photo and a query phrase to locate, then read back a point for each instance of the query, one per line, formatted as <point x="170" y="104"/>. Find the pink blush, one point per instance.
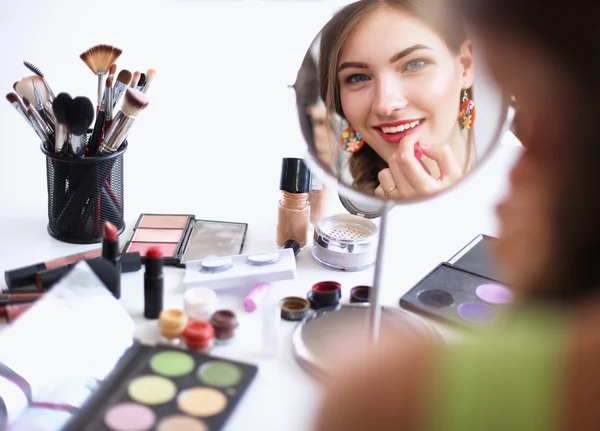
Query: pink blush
<point x="168" y="249"/>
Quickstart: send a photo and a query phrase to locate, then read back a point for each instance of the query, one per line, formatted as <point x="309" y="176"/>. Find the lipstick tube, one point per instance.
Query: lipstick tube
<point x="153" y="284"/>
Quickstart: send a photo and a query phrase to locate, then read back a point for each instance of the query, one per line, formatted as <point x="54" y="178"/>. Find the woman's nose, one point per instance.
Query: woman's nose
<point x="388" y="97"/>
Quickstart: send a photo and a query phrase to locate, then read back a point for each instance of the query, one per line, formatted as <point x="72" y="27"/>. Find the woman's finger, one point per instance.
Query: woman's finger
<point x="405" y="160"/>
<point x="388" y="184"/>
<point x="450" y="170"/>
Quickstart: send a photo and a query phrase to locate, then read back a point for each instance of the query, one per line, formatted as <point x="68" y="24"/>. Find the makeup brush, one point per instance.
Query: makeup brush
<point x="141" y="82"/>
<point x="112" y="70"/>
<point x="60" y="105"/>
<point x="135" y="79"/>
<point x="123" y="80"/>
<point x="39" y="121"/>
<point x="17" y="103"/>
<point x="50" y="115"/>
<point x="38" y="129"/>
<point x="27" y="89"/>
<point x="39" y="73"/>
<point x="99" y="126"/>
<point x="99" y="58"/>
<point x="80" y="115"/>
<point x="150" y="75"/>
<point x="135" y="102"/>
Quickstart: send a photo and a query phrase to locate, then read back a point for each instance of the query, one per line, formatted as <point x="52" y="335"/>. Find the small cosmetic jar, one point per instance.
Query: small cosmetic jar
<point x="198" y="334"/>
<point x="345" y="242"/>
<point x="199" y="302"/>
<point x="172" y="323"/>
<point x="360" y="294"/>
<point x="324" y="294"/>
<point x="294" y="308"/>
<point x="225" y="323"/>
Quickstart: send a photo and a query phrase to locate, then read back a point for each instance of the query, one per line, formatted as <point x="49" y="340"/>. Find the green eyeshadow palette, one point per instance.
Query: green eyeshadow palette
<point x="157" y="388"/>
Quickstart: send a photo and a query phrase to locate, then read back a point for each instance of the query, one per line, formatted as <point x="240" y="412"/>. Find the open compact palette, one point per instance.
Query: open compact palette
<point x="183" y="238"/>
<point x="453" y="294"/>
<point x="165" y="389"/>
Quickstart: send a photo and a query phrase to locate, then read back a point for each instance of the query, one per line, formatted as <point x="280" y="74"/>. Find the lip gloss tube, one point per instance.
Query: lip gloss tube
<point x="255" y="296"/>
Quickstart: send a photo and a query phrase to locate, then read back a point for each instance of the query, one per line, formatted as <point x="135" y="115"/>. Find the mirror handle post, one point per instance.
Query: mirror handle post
<point x="374" y="314"/>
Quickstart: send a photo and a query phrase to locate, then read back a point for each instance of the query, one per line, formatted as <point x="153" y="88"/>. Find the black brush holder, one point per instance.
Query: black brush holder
<point x="83" y="193"/>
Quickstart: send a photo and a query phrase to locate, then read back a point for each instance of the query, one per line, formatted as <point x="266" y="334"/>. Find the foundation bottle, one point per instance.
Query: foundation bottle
<point x="317" y="197"/>
<point x="294" y="208"/>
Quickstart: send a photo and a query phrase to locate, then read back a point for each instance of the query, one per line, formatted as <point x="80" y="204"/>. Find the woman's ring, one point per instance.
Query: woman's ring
<point x="390" y="190"/>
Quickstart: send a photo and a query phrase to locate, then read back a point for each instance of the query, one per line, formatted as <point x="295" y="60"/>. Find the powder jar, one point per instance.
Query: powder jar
<point x="345" y="242"/>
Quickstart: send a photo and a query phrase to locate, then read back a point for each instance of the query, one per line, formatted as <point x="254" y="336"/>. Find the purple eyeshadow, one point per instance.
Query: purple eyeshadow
<point x="476" y="312"/>
<point x="494" y="294"/>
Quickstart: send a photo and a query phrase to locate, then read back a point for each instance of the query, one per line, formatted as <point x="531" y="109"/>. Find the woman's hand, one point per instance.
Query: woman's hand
<point x="408" y="178"/>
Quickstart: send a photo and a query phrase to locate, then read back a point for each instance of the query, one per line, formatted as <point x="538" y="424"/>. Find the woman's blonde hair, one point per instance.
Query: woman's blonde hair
<point x="366" y="164"/>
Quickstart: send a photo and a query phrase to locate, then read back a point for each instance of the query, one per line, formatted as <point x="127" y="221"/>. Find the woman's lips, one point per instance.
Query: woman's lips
<point x="395" y="138"/>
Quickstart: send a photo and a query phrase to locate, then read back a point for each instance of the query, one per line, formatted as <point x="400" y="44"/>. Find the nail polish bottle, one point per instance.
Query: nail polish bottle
<point x="294" y="208"/>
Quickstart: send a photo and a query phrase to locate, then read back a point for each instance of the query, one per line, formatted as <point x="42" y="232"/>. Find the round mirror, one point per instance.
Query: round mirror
<point x="395" y="104"/>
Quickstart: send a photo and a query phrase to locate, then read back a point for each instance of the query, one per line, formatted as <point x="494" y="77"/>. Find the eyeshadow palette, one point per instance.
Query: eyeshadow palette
<point x="183" y="238"/>
<point x="456" y="296"/>
<point x="156" y="388"/>
<point x="476" y="257"/>
<point x="241" y="270"/>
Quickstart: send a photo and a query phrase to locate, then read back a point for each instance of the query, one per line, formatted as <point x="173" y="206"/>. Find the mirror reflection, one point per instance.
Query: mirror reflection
<point x="392" y="101"/>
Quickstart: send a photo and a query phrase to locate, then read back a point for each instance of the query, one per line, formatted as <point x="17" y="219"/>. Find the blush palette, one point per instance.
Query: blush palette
<point x="165" y="389"/>
<point x="183" y="238"/>
<point x="456" y="296"/>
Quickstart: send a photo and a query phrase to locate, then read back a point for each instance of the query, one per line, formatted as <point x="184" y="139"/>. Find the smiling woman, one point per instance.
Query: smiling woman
<point x="401" y="73"/>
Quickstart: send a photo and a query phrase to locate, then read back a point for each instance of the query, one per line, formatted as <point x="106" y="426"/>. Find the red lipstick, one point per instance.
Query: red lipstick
<point x="110" y="251"/>
<point x="395" y="138"/>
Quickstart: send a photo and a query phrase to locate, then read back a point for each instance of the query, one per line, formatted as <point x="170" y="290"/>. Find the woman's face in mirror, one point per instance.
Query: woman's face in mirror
<point x="398" y="77"/>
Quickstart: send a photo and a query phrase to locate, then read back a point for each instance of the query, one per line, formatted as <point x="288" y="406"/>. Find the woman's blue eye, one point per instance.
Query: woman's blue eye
<point x="359" y="77"/>
<point x="415" y="65"/>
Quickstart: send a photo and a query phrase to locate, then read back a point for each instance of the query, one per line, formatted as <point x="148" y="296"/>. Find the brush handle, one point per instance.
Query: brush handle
<point x="100" y="89"/>
<point x="94" y="141"/>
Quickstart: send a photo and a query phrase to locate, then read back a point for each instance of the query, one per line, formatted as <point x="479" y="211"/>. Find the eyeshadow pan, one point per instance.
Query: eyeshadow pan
<point x="129" y="417"/>
<point x="181" y="423"/>
<point x="157" y="235"/>
<point x="152" y="390"/>
<point x="476" y="312"/>
<point x="220" y="374"/>
<point x="172" y="363"/>
<point x="202" y="402"/>
<point x="494" y="293"/>
<point x="167" y="248"/>
<point x="164" y="221"/>
<point x="436" y="298"/>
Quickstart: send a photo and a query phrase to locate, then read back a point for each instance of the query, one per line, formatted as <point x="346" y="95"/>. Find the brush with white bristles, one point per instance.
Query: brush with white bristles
<point x="134" y="102"/>
<point x="99" y="59"/>
<point x="150" y="75"/>
<point x="33" y="89"/>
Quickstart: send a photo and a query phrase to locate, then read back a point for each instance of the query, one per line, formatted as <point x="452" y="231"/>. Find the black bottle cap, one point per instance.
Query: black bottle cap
<point x="295" y="176"/>
<point x="290" y="243"/>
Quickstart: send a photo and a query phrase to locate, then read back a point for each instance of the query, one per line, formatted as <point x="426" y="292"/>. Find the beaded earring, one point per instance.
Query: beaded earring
<point x="351" y="141"/>
<point x="466" y="114"/>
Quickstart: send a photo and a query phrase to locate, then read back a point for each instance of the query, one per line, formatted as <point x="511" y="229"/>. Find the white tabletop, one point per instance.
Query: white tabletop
<point x="211" y="142"/>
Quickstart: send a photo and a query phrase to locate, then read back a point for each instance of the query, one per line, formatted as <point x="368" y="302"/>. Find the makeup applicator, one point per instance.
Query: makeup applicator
<point x="135" y="102"/>
<point x="80" y="114"/>
<point x="39" y="73"/>
<point x="150" y="75"/>
<point x="39" y="121"/>
<point x="123" y="80"/>
<point x="60" y="105"/>
<point x="99" y="58"/>
<point x="141" y="82"/>
<point x="17" y="103"/>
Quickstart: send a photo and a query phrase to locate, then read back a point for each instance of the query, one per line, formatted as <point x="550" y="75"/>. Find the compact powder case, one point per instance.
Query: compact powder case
<point x="345" y="242"/>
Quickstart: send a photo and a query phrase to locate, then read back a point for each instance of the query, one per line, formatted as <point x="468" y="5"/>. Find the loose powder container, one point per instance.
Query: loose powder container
<point x="345" y="242"/>
<point x="199" y="302"/>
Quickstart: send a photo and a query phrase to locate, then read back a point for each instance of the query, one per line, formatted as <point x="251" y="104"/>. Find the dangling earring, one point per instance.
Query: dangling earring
<point x="351" y="141"/>
<point x="466" y="115"/>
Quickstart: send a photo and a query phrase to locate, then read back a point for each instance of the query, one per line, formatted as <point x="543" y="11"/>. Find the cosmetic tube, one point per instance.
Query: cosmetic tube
<point x="111" y="253"/>
<point x="153" y="283"/>
<point x="294" y="208"/>
<point x="255" y="297"/>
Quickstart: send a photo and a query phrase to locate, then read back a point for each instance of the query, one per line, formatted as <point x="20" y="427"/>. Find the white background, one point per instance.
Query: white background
<point x="220" y="119"/>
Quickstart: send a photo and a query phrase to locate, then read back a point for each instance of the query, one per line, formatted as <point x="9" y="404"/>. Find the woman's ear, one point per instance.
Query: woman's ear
<point x="467" y="62"/>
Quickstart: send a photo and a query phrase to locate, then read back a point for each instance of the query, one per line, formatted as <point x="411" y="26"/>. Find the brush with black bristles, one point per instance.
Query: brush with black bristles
<point x="141" y="82"/>
<point x="39" y="73"/>
<point x="60" y="106"/>
<point x="134" y="102"/>
<point x="123" y="80"/>
<point x="79" y="117"/>
<point x="99" y="58"/>
<point x="150" y="75"/>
